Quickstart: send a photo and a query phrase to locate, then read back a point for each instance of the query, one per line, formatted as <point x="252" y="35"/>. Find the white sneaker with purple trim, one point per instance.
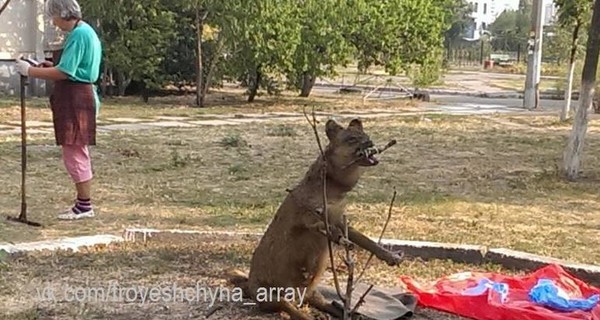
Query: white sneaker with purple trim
<point x="72" y="215"/>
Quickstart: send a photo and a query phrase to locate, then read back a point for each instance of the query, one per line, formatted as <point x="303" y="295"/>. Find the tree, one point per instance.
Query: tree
<point x="401" y="35"/>
<point x="262" y="41"/>
<point x="574" y="149"/>
<point x="460" y="16"/>
<point x="4" y="6"/>
<point x="572" y="14"/>
<point x="193" y="54"/>
<point x="510" y="29"/>
<point x="322" y="45"/>
<point x="209" y="20"/>
<point x="557" y="44"/>
<point x="135" y="36"/>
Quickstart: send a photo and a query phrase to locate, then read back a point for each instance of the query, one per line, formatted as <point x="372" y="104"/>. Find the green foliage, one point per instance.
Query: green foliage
<point x="180" y="58"/>
<point x="573" y="12"/>
<point x="233" y="141"/>
<point x="135" y="35"/>
<point x="399" y="34"/>
<point x="179" y="161"/>
<point x="263" y="38"/>
<point x="557" y="44"/>
<point x="264" y="43"/>
<point x="510" y="30"/>
<point x="181" y="63"/>
<point x="3" y="259"/>
<point x="458" y="12"/>
<point x="322" y="45"/>
<point x="427" y="73"/>
<point x="282" y="131"/>
<point x="574" y="17"/>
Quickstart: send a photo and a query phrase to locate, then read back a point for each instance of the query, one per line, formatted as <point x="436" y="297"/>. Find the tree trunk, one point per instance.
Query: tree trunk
<point x="111" y="82"/>
<point x="122" y="81"/>
<point x="145" y="93"/>
<point x="103" y="82"/>
<point x="254" y="84"/>
<point x="308" y="82"/>
<point x="200" y="17"/>
<point x="213" y="65"/>
<point x="574" y="149"/>
<point x="567" y="107"/>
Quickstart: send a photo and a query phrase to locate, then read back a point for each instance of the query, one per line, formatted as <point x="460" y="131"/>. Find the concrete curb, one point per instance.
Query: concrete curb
<point x="71" y="243"/>
<point x="148" y="234"/>
<point x="471" y="254"/>
<point x="460" y="253"/>
<point x="518" y="260"/>
<point x="424" y="250"/>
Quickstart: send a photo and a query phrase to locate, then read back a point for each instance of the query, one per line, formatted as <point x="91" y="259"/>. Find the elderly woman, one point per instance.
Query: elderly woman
<point x="74" y="101"/>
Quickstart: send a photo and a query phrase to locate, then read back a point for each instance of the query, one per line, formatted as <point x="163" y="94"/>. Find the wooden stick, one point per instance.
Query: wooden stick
<point x="361" y="301"/>
<point x="350" y="281"/>
<point x="313" y="124"/>
<point x="387" y="221"/>
<point x="372" y="151"/>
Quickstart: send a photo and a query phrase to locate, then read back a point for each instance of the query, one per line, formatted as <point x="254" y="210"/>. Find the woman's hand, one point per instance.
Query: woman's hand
<point x="45" y="64"/>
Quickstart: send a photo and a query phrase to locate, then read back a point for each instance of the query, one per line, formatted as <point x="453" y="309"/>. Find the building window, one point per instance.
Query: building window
<point x="484" y="8"/>
<point x="476" y="6"/>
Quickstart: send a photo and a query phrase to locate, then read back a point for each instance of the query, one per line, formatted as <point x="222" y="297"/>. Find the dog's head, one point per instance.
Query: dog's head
<point x="348" y="146"/>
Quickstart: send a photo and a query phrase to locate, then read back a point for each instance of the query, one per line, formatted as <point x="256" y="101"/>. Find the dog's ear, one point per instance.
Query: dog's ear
<point x="332" y="128"/>
<point x="356" y="123"/>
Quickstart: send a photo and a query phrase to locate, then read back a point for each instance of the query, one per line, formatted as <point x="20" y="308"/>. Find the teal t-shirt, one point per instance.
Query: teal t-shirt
<point x="81" y="57"/>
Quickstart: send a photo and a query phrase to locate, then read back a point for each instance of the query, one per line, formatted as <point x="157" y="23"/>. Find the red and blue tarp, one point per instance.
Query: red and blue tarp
<point x="448" y="294"/>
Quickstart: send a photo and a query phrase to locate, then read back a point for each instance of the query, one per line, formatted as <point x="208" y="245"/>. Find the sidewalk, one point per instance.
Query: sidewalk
<point x="464" y="83"/>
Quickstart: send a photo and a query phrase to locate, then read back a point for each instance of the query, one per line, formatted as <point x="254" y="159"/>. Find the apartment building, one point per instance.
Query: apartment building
<point x="485" y="13"/>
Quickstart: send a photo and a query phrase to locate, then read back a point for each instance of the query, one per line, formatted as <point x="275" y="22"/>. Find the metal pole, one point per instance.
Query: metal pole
<point x="534" y="56"/>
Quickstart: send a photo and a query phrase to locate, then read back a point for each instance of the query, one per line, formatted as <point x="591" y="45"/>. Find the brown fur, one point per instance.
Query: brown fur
<point x="293" y="253"/>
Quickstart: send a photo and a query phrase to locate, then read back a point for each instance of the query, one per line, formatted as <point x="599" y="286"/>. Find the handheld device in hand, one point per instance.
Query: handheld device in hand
<point x="30" y="61"/>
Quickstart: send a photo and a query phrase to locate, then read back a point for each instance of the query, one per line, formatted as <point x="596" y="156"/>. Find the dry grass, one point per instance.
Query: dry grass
<point x="519" y="84"/>
<point x="198" y="262"/>
<point x="490" y="180"/>
<point x="486" y="180"/>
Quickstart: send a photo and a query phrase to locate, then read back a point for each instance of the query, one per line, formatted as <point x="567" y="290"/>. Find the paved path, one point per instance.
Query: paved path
<point x="112" y="124"/>
<point x="456" y="82"/>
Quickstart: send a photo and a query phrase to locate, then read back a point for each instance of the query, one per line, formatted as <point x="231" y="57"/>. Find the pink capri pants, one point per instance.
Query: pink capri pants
<point x="77" y="162"/>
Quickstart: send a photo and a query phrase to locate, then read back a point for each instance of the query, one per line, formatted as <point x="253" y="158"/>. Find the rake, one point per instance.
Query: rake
<point x="22" y="218"/>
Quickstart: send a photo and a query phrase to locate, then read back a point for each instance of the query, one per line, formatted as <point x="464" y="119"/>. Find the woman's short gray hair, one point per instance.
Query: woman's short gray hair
<point x="64" y="9"/>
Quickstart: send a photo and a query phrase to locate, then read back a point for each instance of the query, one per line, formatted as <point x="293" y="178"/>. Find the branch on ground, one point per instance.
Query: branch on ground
<point x="4" y="6"/>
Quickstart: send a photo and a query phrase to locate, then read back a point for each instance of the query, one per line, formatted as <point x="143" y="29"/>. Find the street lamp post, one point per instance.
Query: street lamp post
<point x="534" y="57"/>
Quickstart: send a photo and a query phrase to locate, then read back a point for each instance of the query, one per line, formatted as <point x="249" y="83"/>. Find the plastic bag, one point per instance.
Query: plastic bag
<point x="484" y="285"/>
<point x="448" y="294"/>
<point x="548" y="294"/>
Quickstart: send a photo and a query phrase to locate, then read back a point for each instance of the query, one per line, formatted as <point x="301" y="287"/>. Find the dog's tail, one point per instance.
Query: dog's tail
<point x="240" y="280"/>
